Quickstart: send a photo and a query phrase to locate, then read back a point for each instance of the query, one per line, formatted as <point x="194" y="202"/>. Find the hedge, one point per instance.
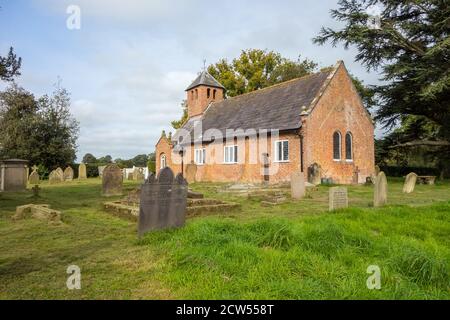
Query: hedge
<point x="401" y="171"/>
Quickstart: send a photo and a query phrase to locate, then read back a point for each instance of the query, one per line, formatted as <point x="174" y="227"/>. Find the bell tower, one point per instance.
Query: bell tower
<point x="204" y="90"/>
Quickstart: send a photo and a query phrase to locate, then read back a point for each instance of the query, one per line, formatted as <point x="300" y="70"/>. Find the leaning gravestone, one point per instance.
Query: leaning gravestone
<point x="298" y="185"/>
<point x="315" y="174"/>
<point x="163" y="202"/>
<point x="410" y="183"/>
<point x="338" y="198"/>
<point x="380" y="193"/>
<point x="112" y="180"/>
<point x="33" y="179"/>
<point x="82" y="171"/>
<point x="191" y="172"/>
<point x="68" y="174"/>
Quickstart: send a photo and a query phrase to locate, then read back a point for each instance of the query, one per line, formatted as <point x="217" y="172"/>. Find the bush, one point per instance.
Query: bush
<point x="401" y="171"/>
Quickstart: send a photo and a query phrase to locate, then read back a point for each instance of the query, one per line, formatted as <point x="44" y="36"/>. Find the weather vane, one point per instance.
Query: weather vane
<point x="204" y="64"/>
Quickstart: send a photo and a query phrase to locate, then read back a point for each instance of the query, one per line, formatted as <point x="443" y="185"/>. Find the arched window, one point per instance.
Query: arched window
<point x="208" y="93"/>
<point x="337" y="145"/>
<point x="192" y="94"/>
<point x="162" y="161"/>
<point x="348" y="146"/>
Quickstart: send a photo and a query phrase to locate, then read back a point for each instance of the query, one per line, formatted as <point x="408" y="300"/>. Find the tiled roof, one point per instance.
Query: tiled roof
<point x="206" y="79"/>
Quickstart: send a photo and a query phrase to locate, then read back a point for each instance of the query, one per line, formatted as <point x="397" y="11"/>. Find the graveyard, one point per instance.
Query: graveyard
<point x="267" y="246"/>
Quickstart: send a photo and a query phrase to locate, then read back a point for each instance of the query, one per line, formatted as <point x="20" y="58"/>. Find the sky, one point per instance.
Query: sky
<point x="128" y="64"/>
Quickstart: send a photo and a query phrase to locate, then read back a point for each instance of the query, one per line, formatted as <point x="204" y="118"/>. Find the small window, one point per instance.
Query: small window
<point x="162" y="162"/>
<point x="230" y="154"/>
<point x="349" y="147"/>
<point x="337" y="146"/>
<point x="214" y="93"/>
<point x="282" y="151"/>
<point x="196" y="94"/>
<point x="208" y="93"/>
<point x="200" y="155"/>
<point x="192" y="95"/>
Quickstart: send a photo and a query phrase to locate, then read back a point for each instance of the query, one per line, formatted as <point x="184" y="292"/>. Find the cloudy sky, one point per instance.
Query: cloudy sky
<point x="129" y="63"/>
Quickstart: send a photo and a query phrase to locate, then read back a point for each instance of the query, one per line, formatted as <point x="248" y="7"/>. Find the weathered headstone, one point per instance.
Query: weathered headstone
<point x="380" y="193"/>
<point x="138" y="174"/>
<point x="60" y="174"/>
<point x="410" y="183"/>
<point x="163" y="202"/>
<point x="33" y="179"/>
<point x="377" y="170"/>
<point x="338" y="198"/>
<point x="56" y="176"/>
<point x="112" y="181"/>
<point x="82" y="171"/>
<point x="191" y="172"/>
<point x="298" y="185"/>
<point x="314" y="174"/>
<point x="68" y="174"/>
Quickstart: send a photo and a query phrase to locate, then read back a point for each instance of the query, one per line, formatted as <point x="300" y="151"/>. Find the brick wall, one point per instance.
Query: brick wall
<point x="198" y="100"/>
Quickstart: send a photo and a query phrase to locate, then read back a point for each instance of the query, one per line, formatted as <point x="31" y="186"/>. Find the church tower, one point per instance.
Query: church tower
<point x="204" y="90"/>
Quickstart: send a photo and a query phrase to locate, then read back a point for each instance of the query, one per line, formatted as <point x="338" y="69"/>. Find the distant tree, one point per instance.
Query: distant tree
<point x="89" y="158"/>
<point x="10" y="66"/>
<point x="42" y="131"/>
<point x="105" y="160"/>
<point x="176" y="124"/>
<point x="140" y="160"/>
<point x="151" y="164"/>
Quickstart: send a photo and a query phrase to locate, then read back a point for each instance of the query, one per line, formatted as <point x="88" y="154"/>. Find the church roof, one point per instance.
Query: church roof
<point x="273" y="108"/>
<point x="206" y="79"/>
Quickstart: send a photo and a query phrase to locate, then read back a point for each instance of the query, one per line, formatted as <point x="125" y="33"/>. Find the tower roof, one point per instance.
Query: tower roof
<point x="205" y="79"/>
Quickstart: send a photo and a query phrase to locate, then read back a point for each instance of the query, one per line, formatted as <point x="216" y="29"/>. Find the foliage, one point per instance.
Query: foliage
<point x="10" y="66"/>
<point x="42" y="130"/>
<point x="89" y="158"/>
<point x="401" y="171"/>
<point x="177" y="124"/>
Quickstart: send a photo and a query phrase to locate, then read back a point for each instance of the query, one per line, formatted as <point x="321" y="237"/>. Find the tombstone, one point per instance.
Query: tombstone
<point x="410" y="183"/>
<point x="163" y="202"/>
<point x="298" y="189"/>
<point x="68" y="174"/>
<point x="100" y="170"/>
<point x="13" y="175"/>
<point x="380" y="193"/>
<point x="60" y="174"/>
<point x="53" y="177"/>
<point x="377" y="170"/>
<point x="191" y="172"/>
<point x="82" y="172"/>
<point x="112" y="180"/>
<point x="36" y="191"/>
<point x="314" y="174"/>
<point x="33" y="179"/>
<point x="338" y="198"/>
<point x="130" y="176"/>
<point x="356" y="175"/>
<point x="138" y="174"/>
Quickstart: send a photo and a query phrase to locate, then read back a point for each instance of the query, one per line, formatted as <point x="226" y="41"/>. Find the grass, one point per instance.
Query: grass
<point x="296" y="250"/>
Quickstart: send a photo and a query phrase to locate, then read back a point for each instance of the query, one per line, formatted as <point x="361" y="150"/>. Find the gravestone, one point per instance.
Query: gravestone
<point x="191" y="172"/>
<point x="298" y="185"/>
<point x="377" y="170"/>
<point x="82" y="171"/>
<point x="314" y="174"/>
<point x="138" y="174"/>
<point x="68" y="174"/>
<point x="410" y="183"/>
<point x="100" y="170"/>
<point x="163" y="202"/>
<point x="380" y="193"/>
<point x="112" y="180"/>
<point x="33" y="179"/>
<point x="338" y="198"/>
<point x="13" y="175"/>
<point x="55" y="176"/>
<point x="130" y="176"/>
<point x="60" y="174"/>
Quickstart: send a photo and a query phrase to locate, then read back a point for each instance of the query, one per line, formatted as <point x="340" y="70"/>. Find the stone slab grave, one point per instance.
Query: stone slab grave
<point x="82" y="172"/>
<point x="380" y="190"/>
<point x="163" y="202"/>
<point x="68" y="174"/>
<point x="410" y="183"/>
<point x="268" y="197"/>
<point x="112" y="181"/>
<point x="298" y="188"/>
<point x="338" y="198"/>
<point x="38" y="211"/>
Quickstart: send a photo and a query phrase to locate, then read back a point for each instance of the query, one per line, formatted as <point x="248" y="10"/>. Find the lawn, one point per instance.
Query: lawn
<point x="296" y="250"/>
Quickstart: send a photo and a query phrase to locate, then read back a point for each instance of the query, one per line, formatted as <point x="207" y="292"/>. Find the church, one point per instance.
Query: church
<point x="315" y="124"/>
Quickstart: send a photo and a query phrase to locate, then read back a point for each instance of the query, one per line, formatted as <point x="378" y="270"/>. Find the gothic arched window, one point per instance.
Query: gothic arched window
<point x="348" y="146"/>
<point x="162" y="162"/>
<point x="337" y="145"/>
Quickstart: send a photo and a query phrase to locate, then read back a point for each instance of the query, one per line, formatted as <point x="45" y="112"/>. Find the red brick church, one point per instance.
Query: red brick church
<point x="266" y="135"/>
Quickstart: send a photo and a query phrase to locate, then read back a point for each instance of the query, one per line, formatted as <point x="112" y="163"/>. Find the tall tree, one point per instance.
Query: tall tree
<point x="410" y="47"/>
<point x="10" y="66"/>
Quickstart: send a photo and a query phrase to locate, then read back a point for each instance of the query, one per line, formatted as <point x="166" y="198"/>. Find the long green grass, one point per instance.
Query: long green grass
<point x="296" y="250"/>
